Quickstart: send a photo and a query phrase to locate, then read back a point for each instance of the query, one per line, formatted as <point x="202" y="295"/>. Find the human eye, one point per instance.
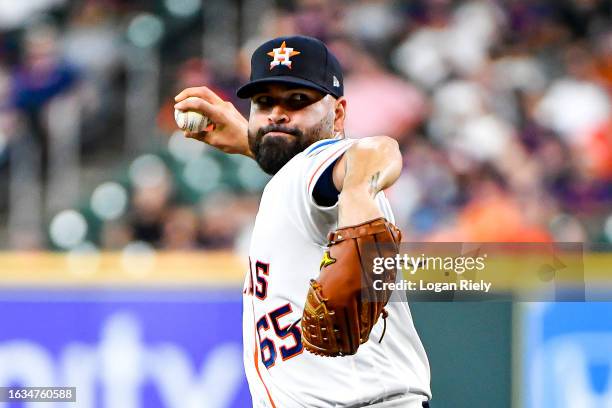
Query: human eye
<point x="298" y="100"/>
<point x="264" y="101"/>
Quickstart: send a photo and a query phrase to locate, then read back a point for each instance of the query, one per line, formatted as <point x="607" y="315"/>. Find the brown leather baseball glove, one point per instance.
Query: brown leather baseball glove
<point x="342" y="306"/>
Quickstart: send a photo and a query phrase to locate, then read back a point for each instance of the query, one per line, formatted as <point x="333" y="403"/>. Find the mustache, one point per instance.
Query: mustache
<point x="279" y="128"/>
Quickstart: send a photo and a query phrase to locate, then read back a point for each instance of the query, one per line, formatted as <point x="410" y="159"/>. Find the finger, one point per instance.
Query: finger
<point x="214" y="112"/>
<point x="200" y="136"/>
<point x="193" y="135"/>
<point x="201" y="92"/>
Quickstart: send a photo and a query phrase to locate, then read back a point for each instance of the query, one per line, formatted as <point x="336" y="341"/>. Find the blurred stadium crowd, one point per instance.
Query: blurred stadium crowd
<point x="502" y="110"/>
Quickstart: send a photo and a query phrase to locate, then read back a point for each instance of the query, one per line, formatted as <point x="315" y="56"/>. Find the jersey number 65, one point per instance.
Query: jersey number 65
<point x="266" y="345"/>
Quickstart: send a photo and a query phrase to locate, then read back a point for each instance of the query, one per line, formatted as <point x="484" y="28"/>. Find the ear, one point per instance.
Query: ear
<point x="340" y="114"/>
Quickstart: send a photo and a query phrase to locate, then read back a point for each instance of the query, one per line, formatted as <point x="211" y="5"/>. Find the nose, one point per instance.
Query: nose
<point x="278" y="115"/>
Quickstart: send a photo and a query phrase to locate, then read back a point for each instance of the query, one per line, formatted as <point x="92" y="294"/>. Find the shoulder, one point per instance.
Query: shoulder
<point x="322" y="155"/>
<point x="318" y="160"/>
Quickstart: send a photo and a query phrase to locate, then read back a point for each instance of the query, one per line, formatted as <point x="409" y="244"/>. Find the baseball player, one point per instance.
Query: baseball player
<point x="323" y="182"/>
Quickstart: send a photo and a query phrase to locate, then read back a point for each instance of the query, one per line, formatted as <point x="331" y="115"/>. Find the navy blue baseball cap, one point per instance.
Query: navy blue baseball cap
<point x="296" y="60"/>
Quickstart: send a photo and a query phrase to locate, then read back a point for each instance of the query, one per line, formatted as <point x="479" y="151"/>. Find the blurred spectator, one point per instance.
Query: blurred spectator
<point x="492" y="215"/>
<point x="150" y="202"/>
<point x="42" y="74"/>
<point x="502" y="111"/>
<point x="14" y="14"/>
<point x="378" y="101"/>
<point x="92" y="41"/>
<point x="223" y="217"/>
<point x="116" y="235"/>
<point x="8" y="117"/>
<point x="596" y="152"/>
<point x="180" y="229"/>
<point x="317" y="18"/>
<point x="573" y="104"/>
<point x="374" y="22"/>
<point x="41" y="78"/>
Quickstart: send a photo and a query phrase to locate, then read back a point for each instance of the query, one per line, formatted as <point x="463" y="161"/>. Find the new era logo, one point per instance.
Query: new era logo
<point x="336" y="82"/>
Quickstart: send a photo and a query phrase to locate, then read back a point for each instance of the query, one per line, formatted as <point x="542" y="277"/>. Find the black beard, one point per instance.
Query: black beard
<point x="274" y="152"/>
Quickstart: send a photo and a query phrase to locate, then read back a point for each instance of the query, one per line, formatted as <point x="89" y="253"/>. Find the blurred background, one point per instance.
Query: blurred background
<point x="503" y="114"/>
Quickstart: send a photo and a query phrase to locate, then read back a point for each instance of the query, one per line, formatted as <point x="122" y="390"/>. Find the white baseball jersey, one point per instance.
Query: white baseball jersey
<point x="286" y="248"/>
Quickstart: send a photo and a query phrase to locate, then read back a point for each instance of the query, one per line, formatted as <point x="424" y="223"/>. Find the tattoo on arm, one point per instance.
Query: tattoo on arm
<point x="374" y="184"/>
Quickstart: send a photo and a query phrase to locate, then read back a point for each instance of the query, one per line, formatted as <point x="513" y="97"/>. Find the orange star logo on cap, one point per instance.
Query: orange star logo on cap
<point x="282" y="56"/>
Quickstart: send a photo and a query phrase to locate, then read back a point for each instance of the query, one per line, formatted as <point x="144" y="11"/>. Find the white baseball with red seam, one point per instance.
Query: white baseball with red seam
<point x="190" y="120"/>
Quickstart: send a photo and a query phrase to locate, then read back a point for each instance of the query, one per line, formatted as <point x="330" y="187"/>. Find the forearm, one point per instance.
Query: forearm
<point x="370" y="167"/>
<point x="356" y="207"/>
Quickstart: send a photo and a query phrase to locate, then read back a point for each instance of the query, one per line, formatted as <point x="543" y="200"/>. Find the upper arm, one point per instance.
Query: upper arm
<point x="365" y="158"/>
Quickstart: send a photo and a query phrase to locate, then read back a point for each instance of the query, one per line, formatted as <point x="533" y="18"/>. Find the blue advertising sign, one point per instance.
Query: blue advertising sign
<point x="567" y="355"/>
<point x="125" y="348"/>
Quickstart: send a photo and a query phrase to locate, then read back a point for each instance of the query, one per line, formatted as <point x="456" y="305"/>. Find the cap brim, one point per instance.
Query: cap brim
<point x="250" y="89"/>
